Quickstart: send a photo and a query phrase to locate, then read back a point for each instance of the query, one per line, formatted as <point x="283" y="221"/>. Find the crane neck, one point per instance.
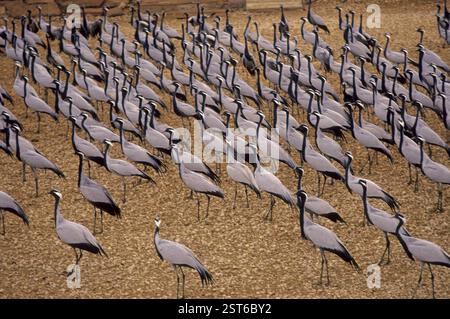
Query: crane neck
<point x="366" y="203"/>
<point x="58" y="217"/>
<point x="18" y="147"/>
<point x="80" y="170"/>
<point x="301" y="204"/>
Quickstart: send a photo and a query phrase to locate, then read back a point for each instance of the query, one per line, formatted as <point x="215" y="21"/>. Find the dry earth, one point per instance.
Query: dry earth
<point x="248" y="257"/>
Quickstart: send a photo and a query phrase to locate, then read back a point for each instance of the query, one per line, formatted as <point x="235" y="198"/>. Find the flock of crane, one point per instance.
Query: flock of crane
<point x="124" y="76"/>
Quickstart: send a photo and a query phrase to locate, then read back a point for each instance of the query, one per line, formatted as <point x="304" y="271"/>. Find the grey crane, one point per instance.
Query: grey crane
<point x="436" y="172"/>
<point x="241" y="174"/>
<point x="97" y="132"/>
<point x="270" y="184"/>
<point x="178" y="256"/>
<point x="97" y="195"/>
<point x="89" y="150"/>
<point x="197" y="182"/>
<point x="318" y="162"/>
<point x="34" y="159"/>
<point x="37" y="104"/>
<point x="326" y="145"/>
<point x="394" y="57"/>
<point x="367" y="139"/>
<point x="410" y="151"/>
<point x="316" y="20"/>
<point x="9" y="204"/>
<point x="73" y="234"/>
<point x="383" y="221"/>
<point x="322" y="238"/>
<point x="373" y="190"/>
<point x="316" y="205"/>
<point x="138" y="154"/>
<point x="122" y="168"/>
<point x="422" y="251"/>
<point x="421" y="128"/>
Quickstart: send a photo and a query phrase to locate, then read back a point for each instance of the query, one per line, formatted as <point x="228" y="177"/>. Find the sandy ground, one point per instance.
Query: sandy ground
<point x="248" y="256"/>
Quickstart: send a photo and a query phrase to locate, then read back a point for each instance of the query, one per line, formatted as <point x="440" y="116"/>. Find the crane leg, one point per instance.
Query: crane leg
<point x="198" y="207"/>
<point x="387" y="249"/>
<point x="419" y="283"/>
<point x="183" y="280"/>
<point x="23" y="173"/>
<point x="410" y="175"/>
<point x="76" y="256"/>
<point x="36" y="181"/>
<point x="318" y="184"/>
<point x="95" y="219"/>
<point x="322" y="261"/>
<point x="323" y="185"/>
<point x="89" y="168"/>
<point x="101" y="221"/>
<point x="432" y="281"/>
<point x="326" y="268"/>
<point x="439" y="203"/>
<point x="124" y="190"/>
<point x="416" y="184"/>
<point x="246" y="196"/>
<point x="235" y="195"/>
<point x="2" y="217"/>
<point x="272" y="204"/>
<point x="207" y="207"/>
<point x="178" y="280"/>
<point x="39" y="122"/>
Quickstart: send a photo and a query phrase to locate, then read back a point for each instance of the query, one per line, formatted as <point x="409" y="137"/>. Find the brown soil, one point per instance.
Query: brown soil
<point x="248" y="257"/>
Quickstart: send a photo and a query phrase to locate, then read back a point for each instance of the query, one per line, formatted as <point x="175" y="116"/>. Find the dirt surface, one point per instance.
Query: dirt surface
<point x="248" y="256"/>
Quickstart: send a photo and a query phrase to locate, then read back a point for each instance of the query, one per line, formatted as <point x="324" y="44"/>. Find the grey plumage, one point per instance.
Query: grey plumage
<point x="373" y="190"/>
<point x="34" y="159"/>
<point x="322" y="238"/>
<point x="122" y="168"/>
<point x="75" y="235"/>
<point x="9" y="204"/>
<point x="96" y="194"/>
<point x="179" y="256"/>
<point x="422" y="251"/>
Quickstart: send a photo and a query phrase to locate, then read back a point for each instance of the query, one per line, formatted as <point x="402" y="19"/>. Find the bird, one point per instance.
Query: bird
<point x="73" y="234"/>
<point x="197" y="182"/>
<point x="97" y="195"/>
<point x="122" y="168"/>
<point x="326" y="145"/>
<point x="436" y="172"/>
<point x="138" y="154"/>
<point x="373" y="190"/>
<point x="380" y="219"/>
<point x="322" y="238"/>
<point x="89" y="150"/>
<point x="318" y="162"/>
<point x="423" y="251"/>
<point x="316" y="20"/>
<point x="241" y="174"/>
<point x="98" y="132"/>
<point x="9" y="204"/>
<point x="367" y="139"/>
<point x="316" y="205"/>
<point x="34" y="159"/>
<point x="179" y="256"/>
<point x="269" y="183"/>
<point x="37" y="104"/>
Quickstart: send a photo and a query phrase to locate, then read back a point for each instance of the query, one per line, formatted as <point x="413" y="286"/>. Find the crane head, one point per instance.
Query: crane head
<point x="157" y="221"/>
<point x="56" y="193"/>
